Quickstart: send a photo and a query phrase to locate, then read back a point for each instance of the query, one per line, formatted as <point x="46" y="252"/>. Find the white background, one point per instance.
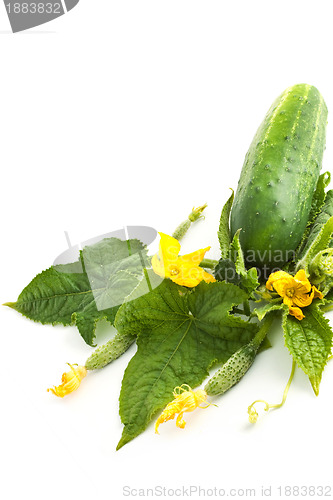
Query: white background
<point x="131" y="112"/>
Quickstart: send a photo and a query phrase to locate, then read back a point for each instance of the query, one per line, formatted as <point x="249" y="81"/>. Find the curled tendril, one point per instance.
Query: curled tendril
<point x="253" y="414"/>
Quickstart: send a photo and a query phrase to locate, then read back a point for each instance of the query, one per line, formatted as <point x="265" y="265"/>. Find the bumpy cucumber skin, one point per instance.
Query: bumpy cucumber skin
<point x="279" y="176"/>
<point x="110" y="351"/>
<point x="232" y="371"/>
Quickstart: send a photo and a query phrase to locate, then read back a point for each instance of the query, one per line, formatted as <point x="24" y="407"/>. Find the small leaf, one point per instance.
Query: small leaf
<point x="309" y="342"/>
<point x="326" y="304"/>
<point x="325" y="213"/>
<point x="224" y="229"/>
<point x="233" y="270"/>
<point x="267" y="307"/>
<point x="319" y="196"/>
<point x="319" y="243"/>
<point x="180" y="335"/>
<point x="328" y="299"/>
<point x="225" y="270"/>
<point x="249" y="281"/>
<point x="236" y="254"/>
<point x="85" y="291"/>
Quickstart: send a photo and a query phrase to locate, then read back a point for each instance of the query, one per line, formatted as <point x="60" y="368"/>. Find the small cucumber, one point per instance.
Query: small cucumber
<point x="279" y="176"/>
<point x="232" y="371"/>
<point x="110" y="351"/>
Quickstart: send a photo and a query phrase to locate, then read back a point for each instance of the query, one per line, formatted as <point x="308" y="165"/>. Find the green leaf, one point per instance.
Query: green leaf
<point x="325" y="213"/>
<point x="326" y="304"/>
<point x="309" y="342"/>
<point x="328" y="299"/>
<point x="180" y="335"/>
<point x="249" y="279"/>
<point x="267" y="307"/>
<point x="224" y="229"/>
<point x="236" y="254"/>
<point x="88" y="290"/>
<point x="319" y="196"/>
<point x="225" y="270"/>
<point x="319" y="243"/>
<point x="233" y="270"/>
<point x="317" y="207"/>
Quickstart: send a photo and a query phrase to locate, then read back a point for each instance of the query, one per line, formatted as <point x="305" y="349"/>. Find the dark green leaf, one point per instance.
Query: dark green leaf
<point x="233" y="270"/>
<point x="226" y="271"/>
<point x="181" y="335"/>
<point x="317" y="207"/>
<point x="324" y="215"/>
<point x="309" y="342"/>
<point x="319" y="196"/>
<point x="236" y="254"/>
<point x="266" y="307"/>
<point x="319" y="242"/>
<point x="86" y="291"/>
<point x="224" y="229"/>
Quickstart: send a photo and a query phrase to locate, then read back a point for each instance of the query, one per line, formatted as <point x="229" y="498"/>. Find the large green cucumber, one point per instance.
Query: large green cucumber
<point x="279" y="176"/>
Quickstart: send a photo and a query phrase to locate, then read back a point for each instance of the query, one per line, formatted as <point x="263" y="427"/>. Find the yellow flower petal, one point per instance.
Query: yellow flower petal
<point x="192" y="276"/>
<point x="184" y="270"/>
<point x="185" y="400"/>
<point x="70" y="381"/>
<point x="295" y="291"/>
<point x="288" y="301"/>
<point x="158" y="266"/>
<point x="166" y="259"/>
<point x="284" y="286"/>
<point x="297" y="312"/>
<point x="208" y="278"/>
<point x="300" y="277"/>
<point x="169" y="248"/>
<point x="276" y="277"/>
<point x="317" y="293"/>
<point x="193" y="258"/>
<point x="303" y="299"/>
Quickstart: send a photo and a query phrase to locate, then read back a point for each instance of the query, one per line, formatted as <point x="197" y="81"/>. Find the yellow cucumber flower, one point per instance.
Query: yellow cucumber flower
<point x="70" y="381"/>
<point x="296" y="291"/>
<point x="185" y="400"/>
<point x="182" y="270"/>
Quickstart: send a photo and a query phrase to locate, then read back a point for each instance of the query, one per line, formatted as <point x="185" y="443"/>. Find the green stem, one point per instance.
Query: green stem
<point x="145" y="272"/>
<point x="246" y="306"/>
<point x="208" y="263"/>
<point x="263" y="330"/>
